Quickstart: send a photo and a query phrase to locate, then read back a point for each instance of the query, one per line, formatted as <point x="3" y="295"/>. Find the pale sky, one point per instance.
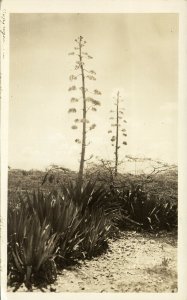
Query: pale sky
<point x="135" y="53"/>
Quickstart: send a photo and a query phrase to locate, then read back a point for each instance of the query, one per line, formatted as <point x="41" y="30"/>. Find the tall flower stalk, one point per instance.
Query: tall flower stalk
<point x="88" y="103"/>
<point x="119" y="135"/>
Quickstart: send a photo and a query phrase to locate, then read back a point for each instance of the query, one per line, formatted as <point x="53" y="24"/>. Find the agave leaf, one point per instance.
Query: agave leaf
<point x="156" y="217"/>
<point x="16" y="260"/>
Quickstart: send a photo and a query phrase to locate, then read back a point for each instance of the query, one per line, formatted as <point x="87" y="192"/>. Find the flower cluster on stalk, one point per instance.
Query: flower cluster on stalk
<point x="89" y="75"/>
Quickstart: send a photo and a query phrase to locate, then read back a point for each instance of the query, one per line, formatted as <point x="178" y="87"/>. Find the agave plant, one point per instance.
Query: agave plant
<point x="96" y="226"/>
<point x="82" y="197"/>
<point x="146" y="211"/>
<point x="92" y="197"/>
<point x="167" y="216"/>
<point x="96" y="221"/>
<point x="58" y="227"/>
<point x="31" y="243"/>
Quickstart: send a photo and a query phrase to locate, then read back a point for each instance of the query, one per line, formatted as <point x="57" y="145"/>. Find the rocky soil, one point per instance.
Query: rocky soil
<point x="136" y="262"/>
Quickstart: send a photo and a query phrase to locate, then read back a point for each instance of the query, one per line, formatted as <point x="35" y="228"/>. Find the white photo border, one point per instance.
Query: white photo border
<point x="98" y="6"/>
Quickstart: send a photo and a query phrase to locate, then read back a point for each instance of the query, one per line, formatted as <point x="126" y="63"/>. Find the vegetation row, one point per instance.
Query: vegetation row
<point x="47" y="231"/>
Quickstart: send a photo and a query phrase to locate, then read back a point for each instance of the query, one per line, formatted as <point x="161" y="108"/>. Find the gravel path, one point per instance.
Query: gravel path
<point x="134" y="263"/>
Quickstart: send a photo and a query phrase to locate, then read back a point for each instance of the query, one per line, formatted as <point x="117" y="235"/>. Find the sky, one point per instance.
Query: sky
<point x="136" y="54"/>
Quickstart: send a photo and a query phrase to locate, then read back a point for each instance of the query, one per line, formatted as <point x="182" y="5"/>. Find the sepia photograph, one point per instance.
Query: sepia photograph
<point x="92" y="156"/>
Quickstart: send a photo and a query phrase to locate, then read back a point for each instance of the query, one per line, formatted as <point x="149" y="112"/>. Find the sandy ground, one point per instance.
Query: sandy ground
<point x="134" y="263"/>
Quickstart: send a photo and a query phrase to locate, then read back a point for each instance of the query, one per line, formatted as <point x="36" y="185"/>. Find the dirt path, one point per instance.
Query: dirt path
<point x="134" y="263"/>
